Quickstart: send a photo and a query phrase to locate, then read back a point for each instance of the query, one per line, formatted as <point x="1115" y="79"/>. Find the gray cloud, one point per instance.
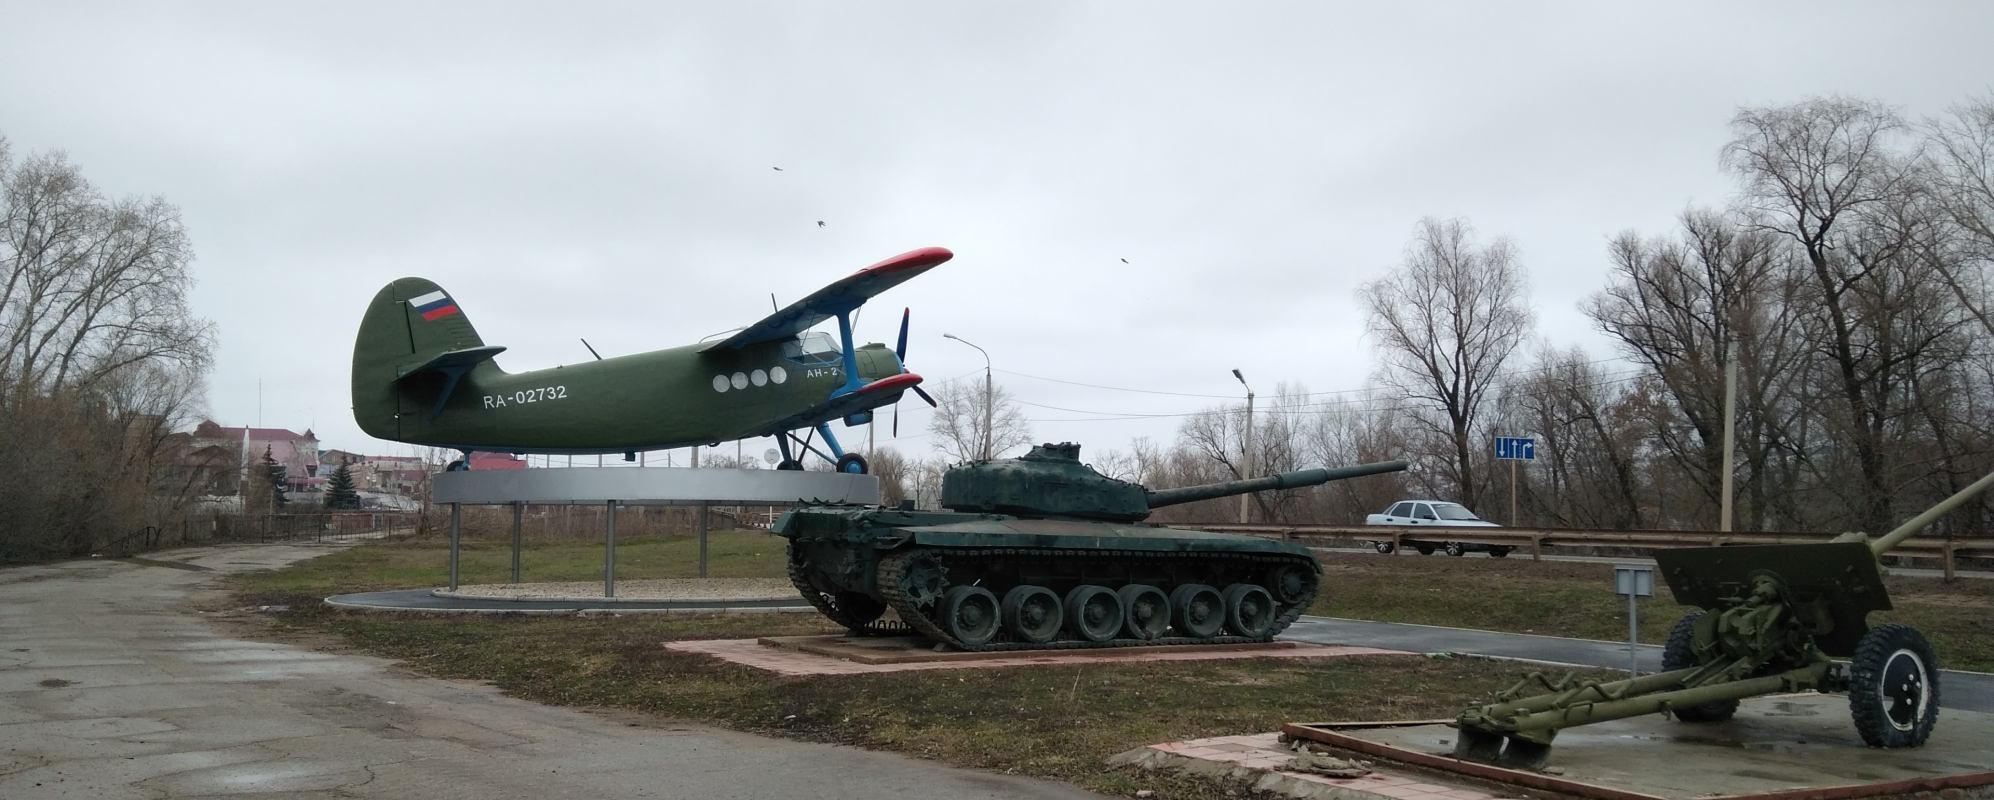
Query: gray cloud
<point x="604" y="170"/>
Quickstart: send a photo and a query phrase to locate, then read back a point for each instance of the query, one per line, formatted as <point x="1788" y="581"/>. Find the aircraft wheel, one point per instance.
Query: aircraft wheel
<point x="457" y="466"/>
<point x="1032" y="613"/>
<point x="1145" y="611"/>
<point x="1249" y="610"/>
<point x="1455" y="549"/>
<point x="1499" y="552"/>
<point x="969" y="613"/>
<point x="790" y="464"/>
<point x="1197" y="610"/>
<point x="1894" y="687"/>
<point x="1680" y="653"/>
<point x="1424" y="549"/>
<point x="1383" y="547"/>
<point x="852" y="464"/>
<point x="1094" y="613"/>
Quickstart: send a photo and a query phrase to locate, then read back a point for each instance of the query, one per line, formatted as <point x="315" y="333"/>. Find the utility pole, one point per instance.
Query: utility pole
<point x="1730" y="432"/>
<point x="1246" y="462"/>
<point x="989" y="396"/>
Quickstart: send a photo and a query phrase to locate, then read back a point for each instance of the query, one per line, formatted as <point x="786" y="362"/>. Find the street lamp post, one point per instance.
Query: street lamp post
<point x="1246" y="468"/>
<point x="989" y="396"/>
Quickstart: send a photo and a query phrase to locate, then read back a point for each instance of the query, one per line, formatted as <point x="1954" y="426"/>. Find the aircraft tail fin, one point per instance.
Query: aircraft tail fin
<point x="415" y="344"/>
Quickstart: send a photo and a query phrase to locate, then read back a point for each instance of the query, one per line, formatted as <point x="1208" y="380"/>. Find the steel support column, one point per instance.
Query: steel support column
<point x="456" y="537"/>
<point x="704" y="518"/>
<point x="609" y="555"/>
<point x="518" y="513"/>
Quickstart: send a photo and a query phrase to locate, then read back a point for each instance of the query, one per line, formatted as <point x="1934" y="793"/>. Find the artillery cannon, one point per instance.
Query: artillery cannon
<point x="1042" y="551"/>
<point x="1774" y="619"/>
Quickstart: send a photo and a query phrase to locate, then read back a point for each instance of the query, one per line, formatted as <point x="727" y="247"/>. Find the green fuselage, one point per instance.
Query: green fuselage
<point x="647" y="401"/>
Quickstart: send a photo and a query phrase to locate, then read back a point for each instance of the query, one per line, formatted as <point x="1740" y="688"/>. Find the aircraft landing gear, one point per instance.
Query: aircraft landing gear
<point x="790" y="464"/>
<point x="852" y="463"/>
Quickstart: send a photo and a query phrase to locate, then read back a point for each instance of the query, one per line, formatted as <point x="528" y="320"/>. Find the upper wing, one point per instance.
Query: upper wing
<point x="837" y="298"/>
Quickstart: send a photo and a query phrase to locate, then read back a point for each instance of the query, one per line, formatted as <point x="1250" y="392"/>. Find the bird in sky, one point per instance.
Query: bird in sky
<point x="778" y="169"/>
<point x="1125" y="261"/>
<point x="820" y="223"/>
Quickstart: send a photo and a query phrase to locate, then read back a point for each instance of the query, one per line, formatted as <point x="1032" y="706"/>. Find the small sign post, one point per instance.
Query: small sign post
<point x="1633" y="581"/>
<point x="1514" y="449"/>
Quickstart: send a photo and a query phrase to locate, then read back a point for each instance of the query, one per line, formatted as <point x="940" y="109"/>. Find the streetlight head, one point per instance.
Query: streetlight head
<point x="950" y="336"/>
<point x="1242" y="378"/>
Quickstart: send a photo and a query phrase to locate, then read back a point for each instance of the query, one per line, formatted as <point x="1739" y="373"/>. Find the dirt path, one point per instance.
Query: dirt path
<point x="111" y="688"/>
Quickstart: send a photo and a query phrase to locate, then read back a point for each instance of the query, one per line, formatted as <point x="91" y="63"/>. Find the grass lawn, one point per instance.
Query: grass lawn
<point x="1051" y="722"/>
<point x="409" y="563"/>
<point x="1557" y="598"/>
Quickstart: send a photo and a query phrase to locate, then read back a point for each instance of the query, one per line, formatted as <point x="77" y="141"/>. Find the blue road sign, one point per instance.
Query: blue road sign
<point x="1515" y="448"/>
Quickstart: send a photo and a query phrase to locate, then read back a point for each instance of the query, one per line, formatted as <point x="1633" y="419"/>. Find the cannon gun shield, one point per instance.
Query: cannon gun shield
<point x="1838" y="583"/>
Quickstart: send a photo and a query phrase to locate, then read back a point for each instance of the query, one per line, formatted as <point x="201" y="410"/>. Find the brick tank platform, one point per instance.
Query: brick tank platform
<point x="791" y="661"/>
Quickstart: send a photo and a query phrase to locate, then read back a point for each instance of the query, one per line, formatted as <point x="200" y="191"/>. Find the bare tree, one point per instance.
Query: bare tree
<point x="958" y="422"/>
<point x="1447" y="321"/>
<point x="1831" y="176"/>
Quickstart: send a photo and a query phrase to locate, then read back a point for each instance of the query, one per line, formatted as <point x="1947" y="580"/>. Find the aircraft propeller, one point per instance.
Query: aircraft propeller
<point x="900" y="352"/>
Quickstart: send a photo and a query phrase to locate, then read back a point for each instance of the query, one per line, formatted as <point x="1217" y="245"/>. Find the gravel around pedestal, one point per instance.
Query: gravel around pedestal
<point x="634" y="590"/>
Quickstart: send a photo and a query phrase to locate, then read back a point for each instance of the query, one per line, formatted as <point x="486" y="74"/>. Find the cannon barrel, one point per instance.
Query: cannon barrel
<point x="1889" y="541"/>
<point x="1286" y="480"/>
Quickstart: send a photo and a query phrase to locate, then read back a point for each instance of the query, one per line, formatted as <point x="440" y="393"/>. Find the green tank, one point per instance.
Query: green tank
<point x="1044" y="552"/>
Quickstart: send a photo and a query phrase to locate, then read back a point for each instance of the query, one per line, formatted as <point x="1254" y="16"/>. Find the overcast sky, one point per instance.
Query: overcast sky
<point x="605" y="170"/>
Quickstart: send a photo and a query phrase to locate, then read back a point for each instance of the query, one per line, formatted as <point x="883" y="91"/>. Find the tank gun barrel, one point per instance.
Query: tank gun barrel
<point x="1286" y="480"/>
<point x="1889" y="541"/>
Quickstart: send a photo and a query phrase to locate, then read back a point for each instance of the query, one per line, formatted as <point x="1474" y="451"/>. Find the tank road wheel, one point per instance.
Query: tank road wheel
<point x="1145" y="611"/>
<point x="1894" y="687"/>
<point x="1293" y="584"/>
<point x="852" y="464"/>
<point x="1249" y="610"/>
<point x="1032" y="613"/>
<point x="969" y="613"/>
<point x="1383" y="547"/>
<point x="1680" y="653"/>
<point x="1197" y="610"/>
<point x="1455" y="549"/>
<point x="1093" y="612"/>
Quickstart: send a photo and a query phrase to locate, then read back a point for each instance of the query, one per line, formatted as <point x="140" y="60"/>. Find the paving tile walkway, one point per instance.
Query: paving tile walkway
<point x="751" y="652"/>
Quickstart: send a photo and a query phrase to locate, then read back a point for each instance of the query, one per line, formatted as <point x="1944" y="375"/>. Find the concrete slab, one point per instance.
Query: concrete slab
<point x="914" y="649"/>
<point x="1267" y="764"/>
<point x="1775" y="745"/>
<point x="791" y="661"/>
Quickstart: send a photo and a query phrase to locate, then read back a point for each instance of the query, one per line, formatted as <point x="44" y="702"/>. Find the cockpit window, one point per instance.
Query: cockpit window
<point x="812" y="349"/>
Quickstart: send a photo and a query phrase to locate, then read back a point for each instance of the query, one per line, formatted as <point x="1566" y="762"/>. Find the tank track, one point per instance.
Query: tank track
<point x="827" y="605"/>
<point x="892" y="567"/>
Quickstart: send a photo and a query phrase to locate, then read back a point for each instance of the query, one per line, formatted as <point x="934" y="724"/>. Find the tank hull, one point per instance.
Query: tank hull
<point x="1106" y="584"/>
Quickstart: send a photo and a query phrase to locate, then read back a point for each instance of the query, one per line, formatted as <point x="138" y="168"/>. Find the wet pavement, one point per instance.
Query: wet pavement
<point x="1969" y="691"/>
<point x="110" y="687"/>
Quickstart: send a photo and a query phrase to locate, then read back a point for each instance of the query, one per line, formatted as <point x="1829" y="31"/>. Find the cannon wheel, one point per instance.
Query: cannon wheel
<point x="1680" y="653"/>
<point x="1894" y="687"/>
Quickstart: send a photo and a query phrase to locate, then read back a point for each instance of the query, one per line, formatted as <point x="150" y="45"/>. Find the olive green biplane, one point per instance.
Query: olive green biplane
<point x="422" y="375"/>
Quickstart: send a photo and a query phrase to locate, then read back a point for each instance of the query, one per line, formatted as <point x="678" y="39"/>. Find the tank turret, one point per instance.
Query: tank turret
<point x="1043" y="551"/>
<point x="1050" y="481"/>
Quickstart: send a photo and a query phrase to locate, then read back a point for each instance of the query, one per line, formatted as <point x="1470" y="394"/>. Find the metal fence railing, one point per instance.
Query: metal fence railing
<point x="1947" y="551"/>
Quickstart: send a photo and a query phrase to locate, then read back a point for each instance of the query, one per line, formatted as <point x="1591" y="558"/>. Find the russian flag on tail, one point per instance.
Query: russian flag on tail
<point x="434" y="306"/>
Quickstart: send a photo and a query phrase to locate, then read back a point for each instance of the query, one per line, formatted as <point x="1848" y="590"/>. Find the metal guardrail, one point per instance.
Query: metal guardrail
<point x="1946" y="551"/>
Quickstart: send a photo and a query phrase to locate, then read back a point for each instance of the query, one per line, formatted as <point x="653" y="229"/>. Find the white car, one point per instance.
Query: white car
<point x="1434" y="513"/>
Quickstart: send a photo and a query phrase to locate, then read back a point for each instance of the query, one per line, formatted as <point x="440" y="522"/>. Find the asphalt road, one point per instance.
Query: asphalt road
<point x="1968" y="691"/>
<point x="110" y="687"/>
